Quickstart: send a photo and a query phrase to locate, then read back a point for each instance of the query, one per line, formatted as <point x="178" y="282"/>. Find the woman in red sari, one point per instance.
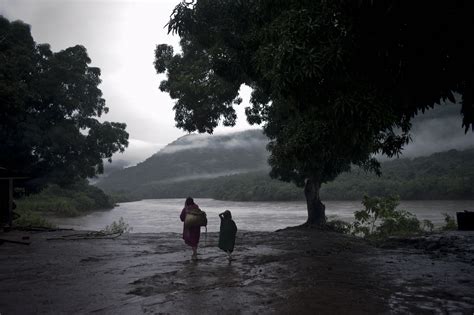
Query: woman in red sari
<point x="190" y="234"/>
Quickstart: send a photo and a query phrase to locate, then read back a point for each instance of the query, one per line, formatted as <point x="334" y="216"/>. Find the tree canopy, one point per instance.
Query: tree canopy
<point x="334" y="82"/>
<point x="51" y="102"/>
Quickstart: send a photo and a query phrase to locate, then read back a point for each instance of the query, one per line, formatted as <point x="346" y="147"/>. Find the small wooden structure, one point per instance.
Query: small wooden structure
<point x="6" y="195"/>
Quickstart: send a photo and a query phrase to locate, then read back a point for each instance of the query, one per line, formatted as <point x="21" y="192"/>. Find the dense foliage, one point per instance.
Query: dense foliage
<point x="50" y="105"/>
<point x="254" y="186"/>
<point x="75" y="200"/>
<point x="333" y="81"/>
<point x="381" y="218"/>
<point x="447" y="175"/>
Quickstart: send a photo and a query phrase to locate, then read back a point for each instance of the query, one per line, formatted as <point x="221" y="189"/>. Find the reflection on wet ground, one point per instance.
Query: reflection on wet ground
<point x="434" y="274"/>
<point x="292" y="271"/>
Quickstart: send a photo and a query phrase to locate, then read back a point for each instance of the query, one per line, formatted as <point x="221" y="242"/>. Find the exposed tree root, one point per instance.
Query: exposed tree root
<point x="304" y="226"/>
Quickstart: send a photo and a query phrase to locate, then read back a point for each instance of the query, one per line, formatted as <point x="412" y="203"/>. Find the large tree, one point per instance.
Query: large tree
<point x="50" y="106"/>
<point x="334" y="82"/>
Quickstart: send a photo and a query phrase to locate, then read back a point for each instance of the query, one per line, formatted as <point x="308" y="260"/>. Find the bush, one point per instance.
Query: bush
<point x="72" y="201"/>
<point x="450" y="223"/>
<point x="339" y="226"/>
<point x="28" y="219"/>
<point x="428" y="225"/>
<point x="402" y="223"/>
<point x="119" y="227"/>
<point x="381" y="219"/>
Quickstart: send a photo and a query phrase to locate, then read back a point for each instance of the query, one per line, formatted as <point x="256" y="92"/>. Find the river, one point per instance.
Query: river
<point x="162" y="215"/>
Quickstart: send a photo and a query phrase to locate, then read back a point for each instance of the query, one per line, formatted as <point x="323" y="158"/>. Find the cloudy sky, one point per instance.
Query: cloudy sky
<point x="120" y="36"/>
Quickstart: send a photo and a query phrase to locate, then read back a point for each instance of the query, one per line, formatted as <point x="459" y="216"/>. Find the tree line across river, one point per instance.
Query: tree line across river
<point x="446" y="175"/>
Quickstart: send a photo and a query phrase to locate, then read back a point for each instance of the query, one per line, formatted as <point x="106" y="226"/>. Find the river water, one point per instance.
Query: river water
<point x="162" y="215"/>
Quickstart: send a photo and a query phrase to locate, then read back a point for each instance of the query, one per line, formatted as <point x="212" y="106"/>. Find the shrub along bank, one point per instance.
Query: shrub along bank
<point x="74" y="200"/>
<point x="380" y="219"/>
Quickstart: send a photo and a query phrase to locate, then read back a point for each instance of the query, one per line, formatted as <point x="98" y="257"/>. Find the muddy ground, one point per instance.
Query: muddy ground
<point x="285" y="272"/>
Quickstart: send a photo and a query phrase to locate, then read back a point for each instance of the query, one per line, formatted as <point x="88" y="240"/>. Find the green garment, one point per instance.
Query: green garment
<point x="227" y="234"/>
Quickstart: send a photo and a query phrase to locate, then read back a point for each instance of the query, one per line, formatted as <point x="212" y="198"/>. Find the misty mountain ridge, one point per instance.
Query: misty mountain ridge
<point x="212" y="162"/>
<point x="195" y="156"/>
<point x="248" y="139"/>
<point x="436" y="130"/>
<point x="202" y="156"/>
<point x="446" y="175"/>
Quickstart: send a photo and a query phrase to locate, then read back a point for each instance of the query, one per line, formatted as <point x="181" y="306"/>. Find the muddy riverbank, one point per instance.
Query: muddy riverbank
<point x="290" y="271"/>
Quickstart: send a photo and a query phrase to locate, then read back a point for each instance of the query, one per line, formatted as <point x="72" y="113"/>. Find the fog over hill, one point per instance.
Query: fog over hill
<point x="437" y="130"/>
<point x="446" y="175"/>
<point x="195" y="156"/>
<point x="202" y="156"/>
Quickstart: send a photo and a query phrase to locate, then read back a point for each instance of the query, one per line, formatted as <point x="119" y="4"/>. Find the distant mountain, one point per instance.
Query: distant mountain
<point x="109" y="168"/>
<point x="234" y="167"/>
<point x="194" y="157"/>
<point x="437" y="130"/>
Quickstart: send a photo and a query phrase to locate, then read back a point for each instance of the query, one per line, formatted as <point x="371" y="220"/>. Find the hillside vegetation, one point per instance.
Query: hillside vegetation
<point x="445" y="175"/>
<point x="233" y="167"/>
<point x="193" y="156"/>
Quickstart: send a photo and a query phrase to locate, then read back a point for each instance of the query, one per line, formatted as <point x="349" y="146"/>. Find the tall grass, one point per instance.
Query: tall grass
<point x="71" y="201"/>
<point x="29" y="219"/>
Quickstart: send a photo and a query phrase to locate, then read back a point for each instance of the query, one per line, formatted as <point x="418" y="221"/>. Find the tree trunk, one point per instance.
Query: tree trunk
<point x="316" y="209"/>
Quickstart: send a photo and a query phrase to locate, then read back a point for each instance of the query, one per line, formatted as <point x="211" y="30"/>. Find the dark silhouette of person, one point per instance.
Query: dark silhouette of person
<point x="191" y="234"/>
<point x="227" y="233"/>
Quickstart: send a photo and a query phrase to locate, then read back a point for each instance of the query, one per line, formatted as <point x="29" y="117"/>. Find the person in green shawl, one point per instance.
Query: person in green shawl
<point x="227" y="233"/>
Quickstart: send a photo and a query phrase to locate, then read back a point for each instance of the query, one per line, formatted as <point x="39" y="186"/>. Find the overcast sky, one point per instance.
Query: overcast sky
<point x="120" y="37"/>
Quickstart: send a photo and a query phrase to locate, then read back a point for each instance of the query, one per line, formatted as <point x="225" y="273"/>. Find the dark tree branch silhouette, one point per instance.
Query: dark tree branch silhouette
<point x="334" y="82"/>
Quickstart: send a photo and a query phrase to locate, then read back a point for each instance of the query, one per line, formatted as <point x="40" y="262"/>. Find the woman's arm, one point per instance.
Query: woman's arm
<point x="183" y="215"/>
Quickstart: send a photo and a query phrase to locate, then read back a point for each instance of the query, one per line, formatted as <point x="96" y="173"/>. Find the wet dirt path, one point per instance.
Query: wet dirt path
<point x="284" y="272"/>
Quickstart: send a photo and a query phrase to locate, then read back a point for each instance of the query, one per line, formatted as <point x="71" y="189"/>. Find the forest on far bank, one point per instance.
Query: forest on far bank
<point x="445" y="175"/>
